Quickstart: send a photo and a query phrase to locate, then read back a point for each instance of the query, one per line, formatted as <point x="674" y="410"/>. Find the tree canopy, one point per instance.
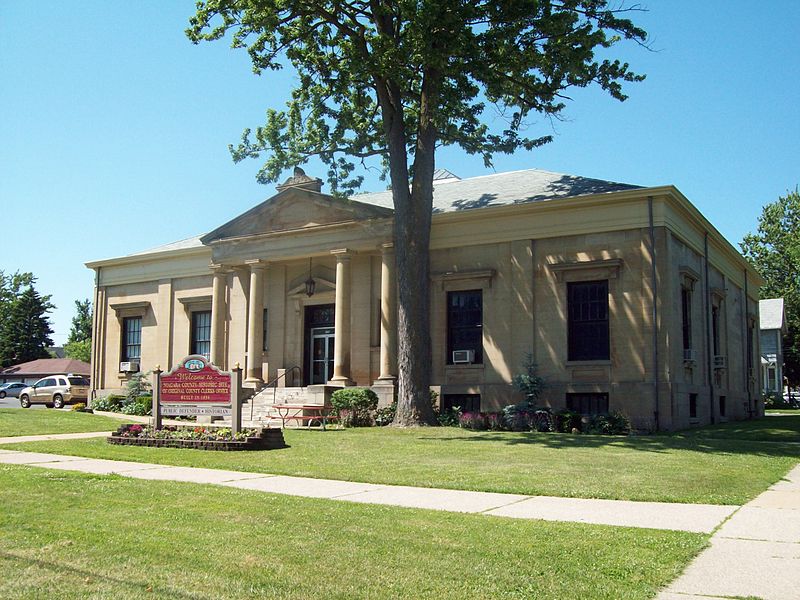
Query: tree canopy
<point x="24" y="326"/>
<point x="79" y="342"/>
<point x="774" y="250"/>
<point x="393" y="80"/>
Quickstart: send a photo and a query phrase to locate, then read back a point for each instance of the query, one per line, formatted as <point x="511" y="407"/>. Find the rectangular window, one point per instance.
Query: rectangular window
<point x="201" y="333"/>
<point x="686" y="317"/>
<point x="466" y="402"/>
<point x="588" y="404"/>
<point x="587" y="317"/>
<point x="715" y="329"/>
<point x="131" y="339"/>
<point x="722" y="406"/>
<point x="465" y="324"/>
<point x="692" y="406"/>
<point x="265" y="344"/>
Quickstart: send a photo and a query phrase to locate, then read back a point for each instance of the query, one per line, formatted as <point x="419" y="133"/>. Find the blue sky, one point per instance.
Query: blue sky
<point x="114" y="128"/>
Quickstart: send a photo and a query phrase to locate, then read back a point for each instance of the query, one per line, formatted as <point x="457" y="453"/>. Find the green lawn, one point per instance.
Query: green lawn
<point x="703" y="466"/>
<point x="775" y="428"/>
<point x="20" y="421"/>
<point x="70" y="535"/>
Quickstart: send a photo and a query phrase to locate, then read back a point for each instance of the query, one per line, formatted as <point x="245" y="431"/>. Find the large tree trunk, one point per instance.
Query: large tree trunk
<point x="412" y="225"/>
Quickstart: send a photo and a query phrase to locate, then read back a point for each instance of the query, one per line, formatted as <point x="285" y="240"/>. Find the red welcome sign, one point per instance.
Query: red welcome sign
<point x="195" y="381"/>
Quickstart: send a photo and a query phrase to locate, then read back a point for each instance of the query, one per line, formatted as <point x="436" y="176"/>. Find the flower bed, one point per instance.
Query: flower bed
<point x="203" y="438"/>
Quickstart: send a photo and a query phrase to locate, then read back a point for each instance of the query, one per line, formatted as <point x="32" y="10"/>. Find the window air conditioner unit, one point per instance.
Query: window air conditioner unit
<point x="689" y="355"/>
<point x="129" y="367"/>
<point x="463" y="357"/>
<point x="720" y="362"/>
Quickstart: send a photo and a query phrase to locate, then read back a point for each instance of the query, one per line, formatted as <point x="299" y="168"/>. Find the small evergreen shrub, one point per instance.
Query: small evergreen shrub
<point x="355" y="406"/>
<point x="529" y="383"/>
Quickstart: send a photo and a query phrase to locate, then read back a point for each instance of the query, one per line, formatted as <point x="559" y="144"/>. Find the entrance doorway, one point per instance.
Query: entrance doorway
<point x="319" y="336"/>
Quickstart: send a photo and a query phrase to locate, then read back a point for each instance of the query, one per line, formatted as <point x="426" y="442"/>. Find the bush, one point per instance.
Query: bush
<point x="450" y="417"/>
<point x="354" y="406"/>
<point x="776" y="400"/>
<point x="384" y="416"/>
<point x="566" y="420"/>
<point x="138" y="386"/>
<point x="612" y="424"/>
<point x="141" y="406"/>
<point x="80" y="407"/>
<point x="110" y="403"/>
<point x="473" y="420"/>
<point x="516" y="417"/>
<point x="529" y="383"/>
<point x="494" y="421"/>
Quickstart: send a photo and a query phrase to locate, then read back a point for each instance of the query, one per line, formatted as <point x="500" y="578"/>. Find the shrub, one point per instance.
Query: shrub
<point x="516" y="417"/>
<point x="138" y="386"/>
<point x="142" y="406"/>
<point x="566" y="420"/>
<point x="776" y="400"/>
<point x="472" y="420"/>
<point x="80" y="407"/>
<point x="542" y="420"/>
<point x="110" y="403"/>
<point x="385" y="415"/>
<point x="449" y="417"/>
<point x="494" y="421"/>
<point x="529" y="383"/>
<point x="354" y="406"/>
<point x="612" y="424"/>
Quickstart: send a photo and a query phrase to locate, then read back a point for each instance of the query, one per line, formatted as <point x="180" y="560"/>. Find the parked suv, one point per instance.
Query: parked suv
<point x="55" y="391"/>
<point x="11" y="389"/>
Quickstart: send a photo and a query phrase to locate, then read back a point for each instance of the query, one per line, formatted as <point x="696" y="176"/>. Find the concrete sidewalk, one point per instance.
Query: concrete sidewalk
<point x="701" y="518"/>
<point x="756" y="553"/>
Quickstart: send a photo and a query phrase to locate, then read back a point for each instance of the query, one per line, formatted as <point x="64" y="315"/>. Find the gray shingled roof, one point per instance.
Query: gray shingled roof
<point x="770" y="313"/>
<point x="451" y="194"/>
<point x="192" y="242"/>
<point x="516" y="187"/>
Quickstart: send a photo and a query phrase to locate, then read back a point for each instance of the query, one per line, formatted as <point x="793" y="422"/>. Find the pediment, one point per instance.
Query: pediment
<point x="294" y="210"/>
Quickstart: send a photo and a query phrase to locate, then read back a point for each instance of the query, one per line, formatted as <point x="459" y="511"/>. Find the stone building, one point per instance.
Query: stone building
<point x="626" y="297"/>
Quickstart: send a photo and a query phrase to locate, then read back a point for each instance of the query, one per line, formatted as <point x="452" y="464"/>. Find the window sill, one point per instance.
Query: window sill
<point x="464" y="367"/>
<point x="589" y="363"/>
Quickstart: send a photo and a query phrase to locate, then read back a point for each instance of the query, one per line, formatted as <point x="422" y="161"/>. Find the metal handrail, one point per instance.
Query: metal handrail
<point x="274" y="383"/>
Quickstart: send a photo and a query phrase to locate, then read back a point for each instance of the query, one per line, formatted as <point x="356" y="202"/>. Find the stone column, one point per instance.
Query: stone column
<point x="341" y="343"/>
<point x="255" y="323"/>
<point x="388" y="316"/>
<point x="218" y="310"/>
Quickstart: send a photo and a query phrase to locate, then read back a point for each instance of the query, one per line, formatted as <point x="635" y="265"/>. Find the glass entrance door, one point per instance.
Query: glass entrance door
<point x="321" y="354"/>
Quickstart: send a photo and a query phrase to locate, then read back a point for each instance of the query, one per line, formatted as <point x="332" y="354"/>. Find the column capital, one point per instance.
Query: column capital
<point x="256" y="264"/>
<point x="342" y="253"/>
<point x="387" y="248"/>
<point x="218" y="268"/>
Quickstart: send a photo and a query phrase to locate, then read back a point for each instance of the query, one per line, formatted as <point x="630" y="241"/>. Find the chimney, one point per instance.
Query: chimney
<point x="300" y="180"/>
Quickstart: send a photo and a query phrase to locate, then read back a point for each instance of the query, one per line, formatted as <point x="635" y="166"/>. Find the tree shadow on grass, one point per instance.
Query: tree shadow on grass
<point x="124" y="587"/>
<point x="660" y="443"/>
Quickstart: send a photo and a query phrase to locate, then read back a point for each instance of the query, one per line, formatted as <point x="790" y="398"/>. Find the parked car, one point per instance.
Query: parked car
<point x="55" y="391"/>
<point x="12" y="389"/>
